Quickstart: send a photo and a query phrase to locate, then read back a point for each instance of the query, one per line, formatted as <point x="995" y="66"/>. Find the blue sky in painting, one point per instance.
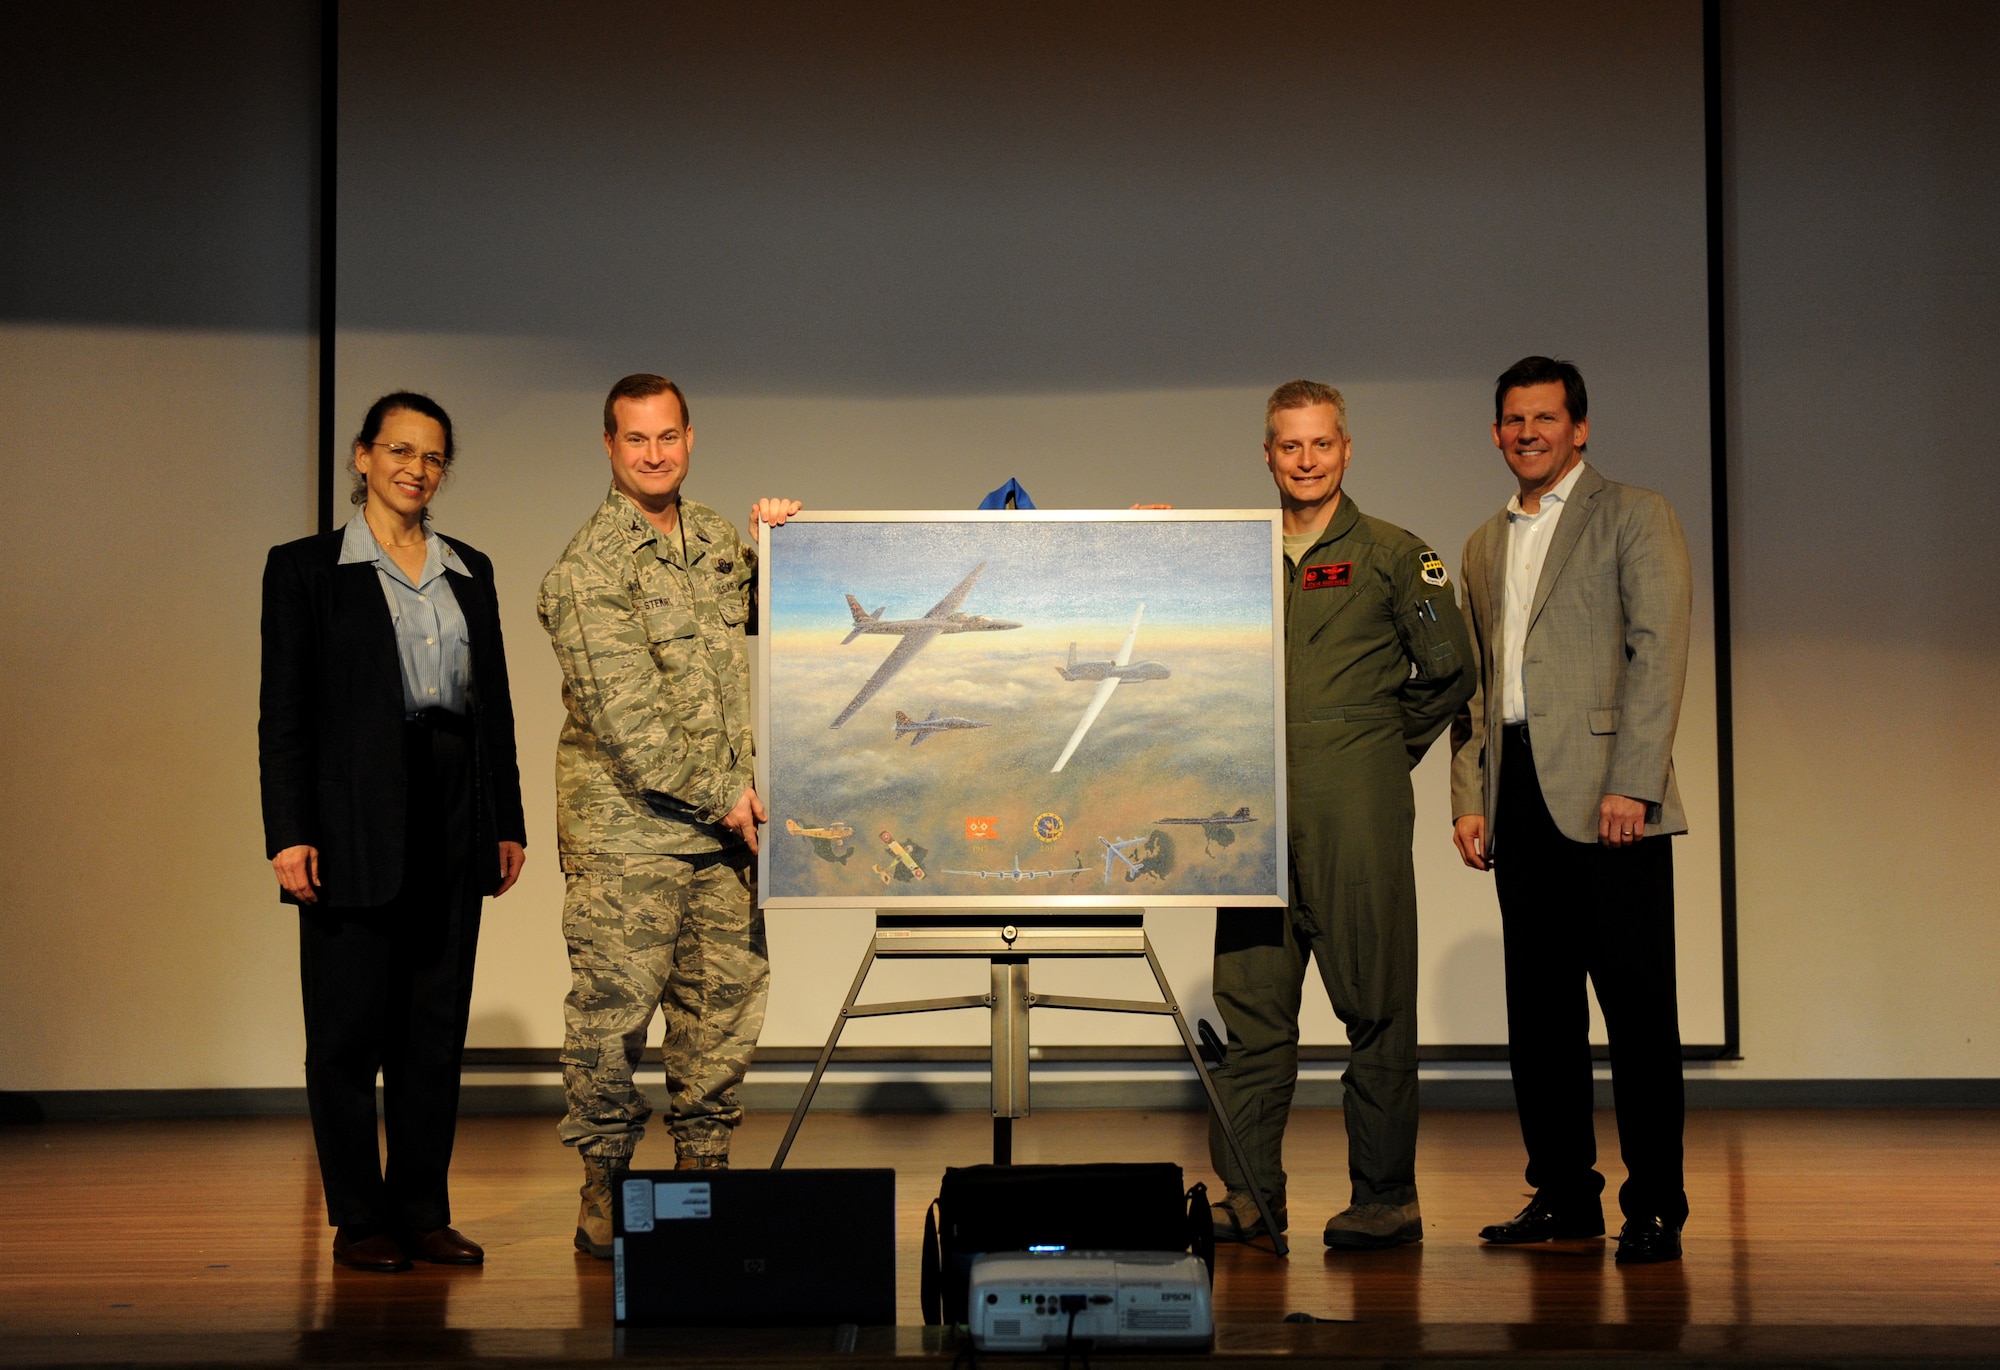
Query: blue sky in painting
<point x="1210" y="573"/>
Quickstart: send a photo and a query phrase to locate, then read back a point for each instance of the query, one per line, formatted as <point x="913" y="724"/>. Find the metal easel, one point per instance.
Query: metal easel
<point x="1006" y="940"/>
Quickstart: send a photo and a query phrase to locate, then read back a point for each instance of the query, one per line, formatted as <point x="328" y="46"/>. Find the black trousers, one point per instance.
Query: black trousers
<point x="388" y="989"/>
<point x="1573" y="912"/>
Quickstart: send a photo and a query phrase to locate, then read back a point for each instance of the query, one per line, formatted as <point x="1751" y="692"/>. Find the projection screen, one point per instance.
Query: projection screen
<point x="898" y="253"/>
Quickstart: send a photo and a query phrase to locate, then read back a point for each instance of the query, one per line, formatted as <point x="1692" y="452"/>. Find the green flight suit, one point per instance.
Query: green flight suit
<point x="1377" y="660"/>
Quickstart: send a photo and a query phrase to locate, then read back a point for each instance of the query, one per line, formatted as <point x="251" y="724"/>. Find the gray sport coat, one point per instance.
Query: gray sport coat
<point x="1604" y="664"/>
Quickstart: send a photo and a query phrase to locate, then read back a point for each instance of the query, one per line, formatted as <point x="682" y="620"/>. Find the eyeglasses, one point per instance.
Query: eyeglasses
<point x="403" y="454"/>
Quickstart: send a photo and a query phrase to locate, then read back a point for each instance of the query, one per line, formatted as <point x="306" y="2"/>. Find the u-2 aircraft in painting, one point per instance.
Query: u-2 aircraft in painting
<point x="915" y="634"/>
<point x="1016" y="873"/>
<point x="1107" y="674"/>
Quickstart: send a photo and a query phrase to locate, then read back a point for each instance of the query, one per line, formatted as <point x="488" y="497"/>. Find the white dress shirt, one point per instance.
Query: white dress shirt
<point x="1528" y="538"/>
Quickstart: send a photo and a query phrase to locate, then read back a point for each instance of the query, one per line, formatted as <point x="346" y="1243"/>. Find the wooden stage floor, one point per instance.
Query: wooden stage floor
<point x="1816" y="1237"/>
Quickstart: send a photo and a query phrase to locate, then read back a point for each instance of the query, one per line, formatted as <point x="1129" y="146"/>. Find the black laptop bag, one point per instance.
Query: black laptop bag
<point x="1101" y="1207"/>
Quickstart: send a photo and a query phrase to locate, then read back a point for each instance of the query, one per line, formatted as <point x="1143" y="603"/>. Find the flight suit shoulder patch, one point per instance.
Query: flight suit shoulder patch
<point x="1431" y="566"/>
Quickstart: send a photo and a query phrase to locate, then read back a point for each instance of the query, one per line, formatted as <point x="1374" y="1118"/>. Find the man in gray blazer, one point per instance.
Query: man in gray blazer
<point x="1562" y="784"/>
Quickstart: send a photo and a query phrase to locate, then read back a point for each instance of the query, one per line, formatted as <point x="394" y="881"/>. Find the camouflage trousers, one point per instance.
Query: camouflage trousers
<point x="680" y="935"/>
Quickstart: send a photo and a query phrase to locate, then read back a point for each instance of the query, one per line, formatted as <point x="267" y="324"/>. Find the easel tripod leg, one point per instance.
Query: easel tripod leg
<point x="825" y="1056"/>
<point x="1278" y="1242"/>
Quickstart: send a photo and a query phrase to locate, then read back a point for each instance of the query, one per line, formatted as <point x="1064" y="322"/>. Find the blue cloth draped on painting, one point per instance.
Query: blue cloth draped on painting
<point x="1008" y="496"/>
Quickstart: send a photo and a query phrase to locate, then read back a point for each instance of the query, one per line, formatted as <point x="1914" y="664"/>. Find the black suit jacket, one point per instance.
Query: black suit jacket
<point x="330" y="723"/>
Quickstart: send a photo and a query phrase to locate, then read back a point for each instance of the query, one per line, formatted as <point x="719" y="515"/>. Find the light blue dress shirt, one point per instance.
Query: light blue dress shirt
<point x="431" y="637"/>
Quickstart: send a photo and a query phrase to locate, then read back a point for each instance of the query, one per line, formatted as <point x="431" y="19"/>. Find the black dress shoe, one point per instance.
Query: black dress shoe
<point x="380" y="1254"/>
<point x="1648" y="1241"/>
<point x="1543" y="1221"/>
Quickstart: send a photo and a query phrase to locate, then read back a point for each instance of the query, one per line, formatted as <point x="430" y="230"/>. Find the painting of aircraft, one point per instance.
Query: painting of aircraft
<point x="921" y="728"/>
<point x="1215" y="829"/>
<point x="828" y="842"/>
<point x="1242" y="815"/>
<point x="1118" y="849"/>
<point x="905" y="860"/>
<point x="1108" y="675"/>
<point x="914" y="635"/>
<point x="1155" y="852"/>
<point x="1018" y="874"/>
<point x="937" y="719"/>
<point x="833" y="832"/>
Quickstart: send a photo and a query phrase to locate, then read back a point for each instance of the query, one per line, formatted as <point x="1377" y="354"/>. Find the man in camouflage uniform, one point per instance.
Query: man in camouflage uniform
<point x="1377" y="661"/>
<point x="656" y="814"/>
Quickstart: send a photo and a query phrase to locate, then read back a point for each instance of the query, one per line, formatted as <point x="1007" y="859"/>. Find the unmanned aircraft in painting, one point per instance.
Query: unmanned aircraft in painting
<point x="1107" y="674"/>
<point x="1018" y="874"/>
<point x="916" y="634"/>
<point x="921" y="728"/>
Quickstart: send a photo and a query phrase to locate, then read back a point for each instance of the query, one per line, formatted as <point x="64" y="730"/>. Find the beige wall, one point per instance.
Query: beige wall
<point x="138" y="944"/>
<point x="1076" y="245"/>
<point x="1864" y="493"/>
<point x="156" y="425"/>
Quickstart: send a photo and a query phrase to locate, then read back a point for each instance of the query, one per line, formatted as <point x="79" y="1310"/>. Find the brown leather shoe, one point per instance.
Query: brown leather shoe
<point x="380" y="1254"/>
<point x="444" y="1246"/>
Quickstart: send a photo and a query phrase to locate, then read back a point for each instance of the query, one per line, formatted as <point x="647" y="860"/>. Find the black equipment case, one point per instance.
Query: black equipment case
<point x="754" y="1248"/>
<point x="1102" y="1207"/>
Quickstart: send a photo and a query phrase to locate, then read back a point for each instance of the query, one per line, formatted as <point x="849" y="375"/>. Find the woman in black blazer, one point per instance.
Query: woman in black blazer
<point x="392" y="807"/>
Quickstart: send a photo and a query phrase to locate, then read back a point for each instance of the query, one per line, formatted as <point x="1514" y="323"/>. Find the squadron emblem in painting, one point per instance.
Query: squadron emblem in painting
<point x="1095" y="689"/>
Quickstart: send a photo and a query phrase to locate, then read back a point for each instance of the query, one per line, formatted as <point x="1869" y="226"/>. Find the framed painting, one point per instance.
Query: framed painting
<point x="1048" y="709"/>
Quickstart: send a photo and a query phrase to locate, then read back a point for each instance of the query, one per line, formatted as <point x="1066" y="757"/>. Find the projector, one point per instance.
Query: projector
<point x="1039" y="1300"/>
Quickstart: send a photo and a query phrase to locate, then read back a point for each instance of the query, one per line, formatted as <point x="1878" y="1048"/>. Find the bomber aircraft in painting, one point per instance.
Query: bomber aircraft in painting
<point x="1155" y="851"/>
<point x="915" y="634"/>
<point x="1107" y="674"/>
<point x="921" y="728"/>
<point x="1018" y="874"/>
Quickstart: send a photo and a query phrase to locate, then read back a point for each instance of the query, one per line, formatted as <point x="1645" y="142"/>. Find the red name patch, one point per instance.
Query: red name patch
<point x="1333" y="576"/>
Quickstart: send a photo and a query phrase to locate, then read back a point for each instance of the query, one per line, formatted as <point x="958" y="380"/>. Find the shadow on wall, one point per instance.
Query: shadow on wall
<point x="903" y="1096"/>
<point x="498" y="1028"/>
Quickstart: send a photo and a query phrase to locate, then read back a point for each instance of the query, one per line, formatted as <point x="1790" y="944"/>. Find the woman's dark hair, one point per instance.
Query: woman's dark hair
<point x="397" y="401"/>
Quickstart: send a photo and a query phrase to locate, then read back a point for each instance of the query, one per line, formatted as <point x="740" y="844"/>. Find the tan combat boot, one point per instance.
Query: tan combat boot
<point x="1370" y="1227"/>
<point x="702" y="1163"/>
<point x="601" y="1181"/>
<point x="1237" y="1220"/>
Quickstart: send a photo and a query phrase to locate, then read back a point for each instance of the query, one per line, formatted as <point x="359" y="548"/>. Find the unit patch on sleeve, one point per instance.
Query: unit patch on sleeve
<point x="1433" y="567"/>
<point x="1332" y="575"/>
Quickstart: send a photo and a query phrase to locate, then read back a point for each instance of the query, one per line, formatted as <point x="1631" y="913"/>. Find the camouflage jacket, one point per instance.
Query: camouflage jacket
<point x="656" y="745"/>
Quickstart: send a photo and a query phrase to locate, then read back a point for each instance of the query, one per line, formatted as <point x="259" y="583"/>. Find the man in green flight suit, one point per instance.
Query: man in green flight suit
<point x="1377" y="661"/>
